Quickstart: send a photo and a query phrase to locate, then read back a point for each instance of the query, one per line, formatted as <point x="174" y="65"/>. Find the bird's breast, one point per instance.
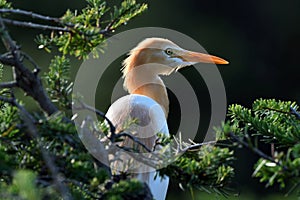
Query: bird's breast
<point x="138" y="114"/>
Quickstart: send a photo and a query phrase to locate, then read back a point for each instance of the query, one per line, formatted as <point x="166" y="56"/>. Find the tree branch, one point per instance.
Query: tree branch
<point x="34" y="25"/>
<point x="30" y="14"/>
<point x="255" y="150"/>
<point x="10" y="84"/>
<point x="131" y="137"/>
<point x="67" y="28"/>
<point x="6" y="59"/>
<point x="35" y="65"/>
<point x="292" y="111"/>
<point x="195" y="147"/>
<point x="26" y="79"/>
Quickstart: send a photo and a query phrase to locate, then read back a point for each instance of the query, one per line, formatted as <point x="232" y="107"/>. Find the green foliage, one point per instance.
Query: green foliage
<point x="24" y="185"/>
<point x="58" y="81"/>
<point x="269" y="118"/>
<point x="83" y="175"/>
<point x="270" y="121"/>
<point x="132" y="189"/>
<point x="208" y="169"/>
<point x="5" y="4"/>
<point x="88" y="29"/>
<point x="8" y="117"/>
<point x="127" y="10"/>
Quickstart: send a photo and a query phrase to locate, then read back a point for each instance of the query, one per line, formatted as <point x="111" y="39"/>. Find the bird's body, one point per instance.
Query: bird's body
<point x="151" y="119"/>
<point x="148" y="101"/>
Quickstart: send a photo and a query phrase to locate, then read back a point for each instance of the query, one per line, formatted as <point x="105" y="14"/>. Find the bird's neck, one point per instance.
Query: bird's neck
<point x="153" y="87"/>
<point x="156" y="92"/>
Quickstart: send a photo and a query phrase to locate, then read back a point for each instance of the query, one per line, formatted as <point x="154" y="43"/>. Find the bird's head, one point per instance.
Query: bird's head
<point x="162" y="56"/>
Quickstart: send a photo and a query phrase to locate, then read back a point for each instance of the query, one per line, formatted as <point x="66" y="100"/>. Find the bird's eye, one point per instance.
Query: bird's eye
<point x="169" y="52"/>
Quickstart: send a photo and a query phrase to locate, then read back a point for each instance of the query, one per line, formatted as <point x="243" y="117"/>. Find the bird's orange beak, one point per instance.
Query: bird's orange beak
<point x="196" y="57"/>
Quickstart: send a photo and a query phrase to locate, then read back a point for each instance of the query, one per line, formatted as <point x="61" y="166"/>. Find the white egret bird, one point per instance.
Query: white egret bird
<point x="148" y="100"/>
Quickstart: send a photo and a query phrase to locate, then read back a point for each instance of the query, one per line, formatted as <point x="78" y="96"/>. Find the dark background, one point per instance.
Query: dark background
<point x="261" y="40"/>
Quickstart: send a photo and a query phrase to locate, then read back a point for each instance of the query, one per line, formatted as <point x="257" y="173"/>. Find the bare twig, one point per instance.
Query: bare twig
<point x="10" y="84"/>
<point x="64" y="27"/>
<point x="30" y="14"/>
<point x="195" y="147"/>
<point x="134" y="139"/>
<point x="98" y="112"/>
<point x="60" y="24"/>
<point x="150" y="160"/>
<point x="7" y="59"/>
<point x="7" y="100"/>
<point x="35" y="25"/>
<point x="37" y="16"/>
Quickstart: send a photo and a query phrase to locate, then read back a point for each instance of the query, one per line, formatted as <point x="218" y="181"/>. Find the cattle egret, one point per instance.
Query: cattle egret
<point x="148" y="100"/>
